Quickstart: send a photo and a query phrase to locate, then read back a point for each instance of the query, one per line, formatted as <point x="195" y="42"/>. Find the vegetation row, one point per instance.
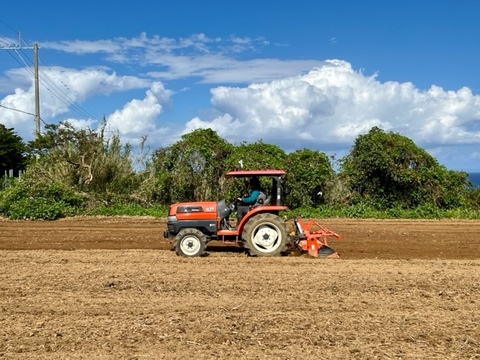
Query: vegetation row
<point x="69" y="171"/>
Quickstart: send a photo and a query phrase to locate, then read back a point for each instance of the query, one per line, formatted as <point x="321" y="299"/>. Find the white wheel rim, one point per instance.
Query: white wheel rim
<point x="266" y="238"/>
<point x="190" y="245"/>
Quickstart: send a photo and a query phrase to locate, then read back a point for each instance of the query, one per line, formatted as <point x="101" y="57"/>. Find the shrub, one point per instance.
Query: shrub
<point x="39" y="200"/>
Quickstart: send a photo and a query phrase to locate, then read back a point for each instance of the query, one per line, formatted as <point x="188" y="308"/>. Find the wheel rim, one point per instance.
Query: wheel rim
<point x="190" y="245"/>
<point x="266" y="238"/>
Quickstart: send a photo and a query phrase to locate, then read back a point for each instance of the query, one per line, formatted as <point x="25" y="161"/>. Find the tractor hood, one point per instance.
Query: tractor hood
<point x="194" y="210"/>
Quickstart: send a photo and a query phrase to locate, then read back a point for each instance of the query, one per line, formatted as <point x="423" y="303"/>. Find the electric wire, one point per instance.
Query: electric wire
<point x="51" y="86"/>
<point x="18" y="61"/>
<point x="10" y="45"/>
<point x="11" y="28"/>
<point x="81" y="110"/>
<point x="21" y="111"/>
<point x="54" y="89"/>
<point x="47" y="82"/>
<point x="8" y="41"/>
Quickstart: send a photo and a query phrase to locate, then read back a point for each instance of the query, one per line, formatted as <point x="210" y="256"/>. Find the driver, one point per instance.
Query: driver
<point x="252" y="199"/>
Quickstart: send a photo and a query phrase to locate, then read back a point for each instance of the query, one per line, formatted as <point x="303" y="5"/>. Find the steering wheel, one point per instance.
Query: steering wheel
<point x="233" y="204"/>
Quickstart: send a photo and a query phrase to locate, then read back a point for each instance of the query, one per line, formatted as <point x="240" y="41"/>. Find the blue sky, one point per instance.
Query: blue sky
<point x="299" y="74"/>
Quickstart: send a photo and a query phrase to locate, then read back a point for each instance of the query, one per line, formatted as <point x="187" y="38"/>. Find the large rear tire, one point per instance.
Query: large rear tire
<point x="190" y="242"/>
<point x="265" y="235"/>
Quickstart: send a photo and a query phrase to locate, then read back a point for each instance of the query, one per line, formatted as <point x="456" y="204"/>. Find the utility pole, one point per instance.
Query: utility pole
<point x="36" y="78"/>
<point x="37" y="91"/>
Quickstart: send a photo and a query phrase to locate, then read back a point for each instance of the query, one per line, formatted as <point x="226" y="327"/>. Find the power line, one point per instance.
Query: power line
<point x="37" y="94"/>
<point x="47" y="83"/>
<point x="21" y="111"/>
<point x="52" y="87"/>
<point x="25" y="65"/>
<point x="9" y="108"/>
<point x="12" y="45"/>
<point x="19" y="62"/>
<point x="62" y="96"/>
<point x="11" y="28"/>
<point x="5" y="41"/>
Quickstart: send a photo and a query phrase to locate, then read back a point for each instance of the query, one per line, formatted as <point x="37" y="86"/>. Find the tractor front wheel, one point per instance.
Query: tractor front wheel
<point x="265" y="235"/>
<point x="190" y="242"/>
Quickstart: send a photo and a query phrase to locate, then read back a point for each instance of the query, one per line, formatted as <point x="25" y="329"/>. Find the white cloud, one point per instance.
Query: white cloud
<point x="138" y="118"/>
<point x="82" y="123"/>
<point x="196" y="43"/>
<point x="215" y="69"/>
<point x="81" y="47"/>
<point x="62" y="91"/>
<point x="212" y="60"/>
<point x="17" y="112"/>
<point x="331" y="105"/>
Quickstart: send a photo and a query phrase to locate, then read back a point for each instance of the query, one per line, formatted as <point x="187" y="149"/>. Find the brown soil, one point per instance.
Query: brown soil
<point x="110" y="288"/>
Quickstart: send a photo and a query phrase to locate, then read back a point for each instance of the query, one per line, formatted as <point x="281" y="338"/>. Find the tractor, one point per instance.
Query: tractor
<point x="261" y="232"/>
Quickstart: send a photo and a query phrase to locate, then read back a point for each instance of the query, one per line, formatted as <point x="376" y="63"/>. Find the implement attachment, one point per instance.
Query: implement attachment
<point x="311" y="237"/>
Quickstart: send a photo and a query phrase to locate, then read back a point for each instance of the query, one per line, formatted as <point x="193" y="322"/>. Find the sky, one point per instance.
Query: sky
<point x="298" y="74"/>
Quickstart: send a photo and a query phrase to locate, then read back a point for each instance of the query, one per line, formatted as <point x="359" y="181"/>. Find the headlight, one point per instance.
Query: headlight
<point x="172" y="218"/>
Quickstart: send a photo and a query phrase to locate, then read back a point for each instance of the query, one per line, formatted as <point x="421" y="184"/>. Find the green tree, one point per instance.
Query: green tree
<point x="12" y="151"/>
<point x="256" y="156"/>
<point x="86" y="160"/>
<point x="309" y="173"/>
<point x="253" y="156"/>
<point x="190" y="169"/>
<point x="69" y="153"/>
<point x="113" y="171"/>
<point x="390" y="170"/>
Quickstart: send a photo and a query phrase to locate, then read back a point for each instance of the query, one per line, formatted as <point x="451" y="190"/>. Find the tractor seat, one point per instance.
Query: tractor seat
<point x="262" y="200"/>
<point x="268" y="200"/>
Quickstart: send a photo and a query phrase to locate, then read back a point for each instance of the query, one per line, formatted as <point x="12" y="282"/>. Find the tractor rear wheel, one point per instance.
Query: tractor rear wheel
<point x="265" y="235"/>
<point x="190" y="242"/>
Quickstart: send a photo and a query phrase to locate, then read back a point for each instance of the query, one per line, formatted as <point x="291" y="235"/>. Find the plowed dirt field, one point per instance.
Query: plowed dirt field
<point x="111" y="288"/>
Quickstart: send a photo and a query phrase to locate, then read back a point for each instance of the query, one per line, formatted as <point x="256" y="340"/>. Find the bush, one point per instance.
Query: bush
<point x="34" y="200"/>
<point x="6" y="182"/>
<point x="427" y="211"/>
<point x="473" y="199"/>
<point x="40" y="209"/>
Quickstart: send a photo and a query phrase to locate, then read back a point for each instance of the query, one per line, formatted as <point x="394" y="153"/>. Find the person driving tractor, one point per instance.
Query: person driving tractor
<point x="256" y="197"/>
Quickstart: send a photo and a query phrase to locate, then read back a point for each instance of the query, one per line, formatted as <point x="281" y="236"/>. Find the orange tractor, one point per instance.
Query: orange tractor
<point x="262" y="232"/>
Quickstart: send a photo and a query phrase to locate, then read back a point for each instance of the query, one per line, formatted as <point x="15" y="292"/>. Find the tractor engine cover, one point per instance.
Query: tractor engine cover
<point x="198" y="215"/>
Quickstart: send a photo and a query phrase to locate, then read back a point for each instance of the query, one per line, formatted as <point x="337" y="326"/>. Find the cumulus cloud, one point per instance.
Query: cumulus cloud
<point x="63" y="90"/>
<point x="138" y="118"/>
<point x="82" y="123"/>
<point x="331" y="105"/>
<point x="17" y="112"/>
